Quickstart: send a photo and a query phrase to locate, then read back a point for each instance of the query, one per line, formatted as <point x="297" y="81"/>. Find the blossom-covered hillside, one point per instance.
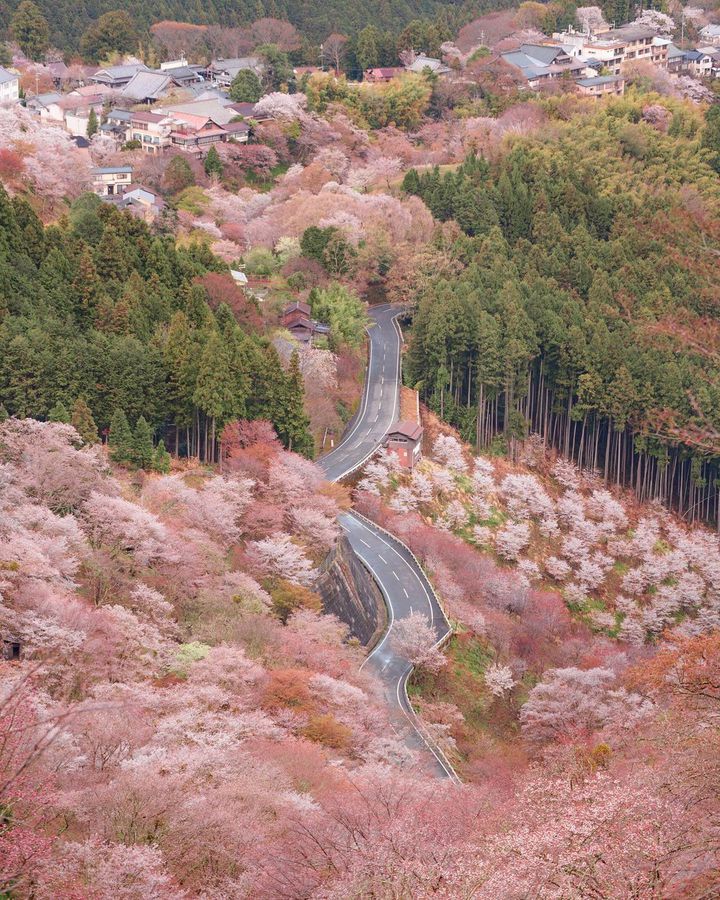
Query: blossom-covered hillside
<point x="629" y="571"/>
<point x="183" y="722"/>
<point x="557" y="586"/>
<point x="175" y="667"/>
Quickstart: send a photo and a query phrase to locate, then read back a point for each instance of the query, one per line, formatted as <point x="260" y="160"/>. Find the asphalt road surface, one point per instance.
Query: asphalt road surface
<point x="380" y="404"/>
<point x="404" y="586"/>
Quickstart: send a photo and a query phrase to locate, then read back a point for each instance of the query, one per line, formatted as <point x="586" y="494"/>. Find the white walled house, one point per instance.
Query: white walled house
<point x="109" y="181"/>
<point x="9" y="87"/>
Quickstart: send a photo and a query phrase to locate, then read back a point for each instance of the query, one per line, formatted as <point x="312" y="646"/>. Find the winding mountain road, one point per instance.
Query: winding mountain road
<point x="404" y="585"/>
<point x="380" y="402"/>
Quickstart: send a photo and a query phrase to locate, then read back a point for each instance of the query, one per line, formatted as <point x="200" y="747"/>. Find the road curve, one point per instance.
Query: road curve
<point x="398" y="574"/>
<point x="380" y="403"/>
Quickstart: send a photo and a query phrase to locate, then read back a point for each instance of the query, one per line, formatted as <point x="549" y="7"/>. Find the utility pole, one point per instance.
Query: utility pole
<point x="322" y="57"/>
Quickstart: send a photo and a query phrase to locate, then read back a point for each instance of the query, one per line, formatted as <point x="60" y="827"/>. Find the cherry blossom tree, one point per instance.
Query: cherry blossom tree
<point x="278" y="555"/>
<point x="282" y="106"/>
<point x="511" y="540"/>
<point x="498" y="679"/>
<point x="413" y="638"/>
<point x="574" y="701"/>
<point x="448" y="450"/>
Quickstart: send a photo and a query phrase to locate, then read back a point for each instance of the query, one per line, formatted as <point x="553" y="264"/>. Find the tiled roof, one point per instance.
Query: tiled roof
<point x="147" y="85"/>
<point x="6" y="76"/>
<point x="218" y="110"/>
<point x="115" y="73"/>
<point x="598" y="80"/>
<point x="150" y="117"/>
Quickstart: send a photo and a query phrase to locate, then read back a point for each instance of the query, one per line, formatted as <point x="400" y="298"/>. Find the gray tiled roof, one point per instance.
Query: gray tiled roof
<point x="113" y="73"/>
<point x="6" y="76"/>
<point x="598" y="80"/>
<point x="146" y="85"/>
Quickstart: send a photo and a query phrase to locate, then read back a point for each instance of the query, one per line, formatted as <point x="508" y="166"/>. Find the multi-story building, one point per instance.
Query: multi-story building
<point x="638" y="41"/>
<point x="659" y="51"/>
<point x="609" y="53"/>
<point x="151" y="129"/>
<point x="541" y="63"/>
<point x="699" y="63"/>
<point x="9" y="87"/>
<point x="109" y="181"/>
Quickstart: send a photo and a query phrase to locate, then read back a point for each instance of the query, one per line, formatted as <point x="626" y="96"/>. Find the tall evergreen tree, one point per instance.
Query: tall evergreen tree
<point x="82" y="421"/>
<point x="59" y="413"/>
<point x="293" y="426"/>
<point x="213" y="164"/>
<point x="92" y="125"/>
<point x="161" y="459"/>
<point x="142" y="444"/>
<point x="120" y="439"/>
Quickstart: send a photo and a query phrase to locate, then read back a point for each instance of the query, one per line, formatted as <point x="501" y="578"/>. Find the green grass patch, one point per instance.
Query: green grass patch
<point x="193" y="200"/>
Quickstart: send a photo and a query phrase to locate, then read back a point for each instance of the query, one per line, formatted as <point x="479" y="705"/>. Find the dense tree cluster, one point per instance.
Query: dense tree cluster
<point x="101" y="311"/>
<point x="584" y="254"/>
<point x="394" y="27"/>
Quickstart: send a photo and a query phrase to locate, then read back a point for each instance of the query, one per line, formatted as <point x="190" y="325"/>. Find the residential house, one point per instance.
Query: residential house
<point x="141" y="202"/>
<point x="710" y="34"/>
<point x="74" y="111"/>
<point x="699" y="63"/>
<point x="116" y="124"/>
<point x="219" y="109"/>
<point x="421" y="63"/>
<point x="659" y="51"/>
<point x="151" y="129"/>
<point x="237" y="131"/>
<point x="185" y="76"/>
<point x="117" y="76"/>
<point x="601" y="86"/>
<point x="195" y="134"/>
<point x="9" y="87"/>
<point x="223" y="71"/>
<point x="297" y="319"/>
<point x="405" y="440"/>
<point x="108" y="181"/>
<point x="676" y="62"/>
<point x="93" y="90"/>
<point x="381" y="75"/>
<point x="714" y="54"/>
<point x="146" y="86"/>
<point x="40" y="104"/>
<point x="540" y="63"/>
